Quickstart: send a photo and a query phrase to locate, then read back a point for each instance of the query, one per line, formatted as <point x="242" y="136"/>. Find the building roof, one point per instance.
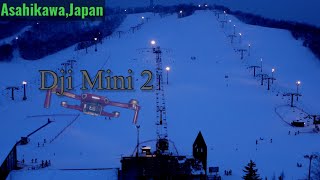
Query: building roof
<point x="199" y="140"/>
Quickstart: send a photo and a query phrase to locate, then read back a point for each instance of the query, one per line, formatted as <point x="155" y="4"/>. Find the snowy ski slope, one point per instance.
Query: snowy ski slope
<point x="215" y="93"/>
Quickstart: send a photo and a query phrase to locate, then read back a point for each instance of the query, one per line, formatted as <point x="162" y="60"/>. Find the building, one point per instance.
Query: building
<point x="159" y="165"/>
<point x="9" y="164"/>
<point x="200" y="151"/>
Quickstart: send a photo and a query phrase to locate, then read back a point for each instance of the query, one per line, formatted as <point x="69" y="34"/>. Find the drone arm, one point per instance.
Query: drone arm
<point x="113" y="115"/>
<point x="48" y="99"/>
<point x="133" y="104"/>
<point x="71" y="95"/>
<point x="75" y="107"/>
<point x="67" y="94"/>
<point x="135" y="117"/>
<point x="119" y="104"/>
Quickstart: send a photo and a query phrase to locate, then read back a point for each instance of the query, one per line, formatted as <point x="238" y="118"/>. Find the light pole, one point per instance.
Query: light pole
<point x="310" y="157"/>
<point x="234" y="29"/>
<point x="298" y="83"/>
<point x="261" y="64"/>
<point x="153" y="45"/>
<point x="240" y="38"/>
<point x="138" y="139"/>
<point x="273" y="70"/>
<point x="24" y="90"/>
<point x="167" y="69"/>
<point x="95" y="40"/>
<point x="181" y="13"/>
<point x="249" y="47"/>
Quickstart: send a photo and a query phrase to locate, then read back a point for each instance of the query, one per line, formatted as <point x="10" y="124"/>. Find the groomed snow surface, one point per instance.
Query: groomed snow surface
<point x="214" y="93"/>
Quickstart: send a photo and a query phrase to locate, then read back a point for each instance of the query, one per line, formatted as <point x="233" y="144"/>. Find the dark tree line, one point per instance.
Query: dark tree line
<point x="188" y="9"/>
<point x="6" y="51"/>
<point x="309" y="34"/>
<point x="47" y="38"/>
<point x="9" y="28"/>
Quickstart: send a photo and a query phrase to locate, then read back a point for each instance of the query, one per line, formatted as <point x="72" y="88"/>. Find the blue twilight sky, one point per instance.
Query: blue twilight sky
<point x="307" y="11"/>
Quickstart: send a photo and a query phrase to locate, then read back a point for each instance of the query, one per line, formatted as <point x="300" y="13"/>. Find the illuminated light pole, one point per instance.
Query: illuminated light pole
<point x="167" y="69"/>
<point x="95" y="40"/>
<point x="24" y="90"/>
<point x="261" y="64"/>
<point x="310" y="157"/>
<point x="249" y="47"/>
<point x="272" y="71"/>
<point x="234" y="29"/>
<point x="153" y="44"/>
<point x="17" y="38"/>
<point x="240" y="37"/>
<point x="181" y="13"/>
<point x="298" y="83"/>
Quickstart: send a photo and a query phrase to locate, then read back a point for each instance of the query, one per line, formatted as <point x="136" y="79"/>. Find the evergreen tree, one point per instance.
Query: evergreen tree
<point x="251" y="172"/>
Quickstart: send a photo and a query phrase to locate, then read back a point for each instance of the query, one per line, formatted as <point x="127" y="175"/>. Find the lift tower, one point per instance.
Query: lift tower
<point x="161" y="118"/>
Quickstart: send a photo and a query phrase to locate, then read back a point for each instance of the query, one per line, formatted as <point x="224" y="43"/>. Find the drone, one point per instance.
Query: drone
<point x="92" y="104"/>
